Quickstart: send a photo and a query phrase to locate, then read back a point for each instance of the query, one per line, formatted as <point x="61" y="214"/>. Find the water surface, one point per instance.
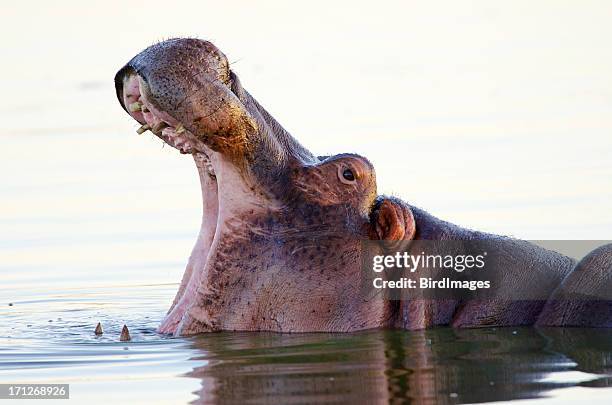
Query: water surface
<point x="48" y="337"/>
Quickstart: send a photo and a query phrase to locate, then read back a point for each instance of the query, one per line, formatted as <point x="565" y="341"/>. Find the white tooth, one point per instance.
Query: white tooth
<point x="179" y="129"/>
<point x="135" y="106"/>
<point x="143" y="129"/>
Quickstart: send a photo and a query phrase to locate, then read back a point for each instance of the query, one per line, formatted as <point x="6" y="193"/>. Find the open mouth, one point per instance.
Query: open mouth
<point x="180" y="90"/>
<point x="135" y="100"/>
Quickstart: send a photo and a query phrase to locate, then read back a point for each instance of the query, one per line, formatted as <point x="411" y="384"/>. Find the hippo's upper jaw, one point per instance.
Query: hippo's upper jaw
<point x="181" y="90"/>
<point x="184" y="92"/>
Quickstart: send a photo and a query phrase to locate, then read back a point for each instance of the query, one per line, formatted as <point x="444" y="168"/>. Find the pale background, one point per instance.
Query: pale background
<point x="495" y="115"/>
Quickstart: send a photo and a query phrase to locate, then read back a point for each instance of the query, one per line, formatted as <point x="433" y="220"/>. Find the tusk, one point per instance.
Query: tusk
<point x="135" y="106"/>
<point x="143" y="129"/>
<point x="179" y="129"/>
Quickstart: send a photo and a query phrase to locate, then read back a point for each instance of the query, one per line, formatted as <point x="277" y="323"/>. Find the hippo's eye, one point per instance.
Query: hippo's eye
<point x="348" y="175"/>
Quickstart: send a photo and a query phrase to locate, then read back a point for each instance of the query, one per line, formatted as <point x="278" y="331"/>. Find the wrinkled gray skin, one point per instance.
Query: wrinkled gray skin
<point x="280" y="245"/>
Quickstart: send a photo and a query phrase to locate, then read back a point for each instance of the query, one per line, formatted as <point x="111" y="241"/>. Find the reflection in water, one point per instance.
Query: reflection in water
<point x="434" y="366"/>
<point x="49" y="337"/>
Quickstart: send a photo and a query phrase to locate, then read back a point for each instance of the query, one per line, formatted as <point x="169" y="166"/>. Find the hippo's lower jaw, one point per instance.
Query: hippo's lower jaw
<point x="136" y="97"/>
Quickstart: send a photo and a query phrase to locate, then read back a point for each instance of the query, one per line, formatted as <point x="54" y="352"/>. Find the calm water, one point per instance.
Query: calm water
<point x="48" y="337"/>
<point x="494" y="116"/>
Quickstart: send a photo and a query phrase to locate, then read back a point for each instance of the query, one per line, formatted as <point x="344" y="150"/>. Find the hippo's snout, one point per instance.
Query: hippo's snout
<point x="173" y="66"/>
<point x="181" y="90"/>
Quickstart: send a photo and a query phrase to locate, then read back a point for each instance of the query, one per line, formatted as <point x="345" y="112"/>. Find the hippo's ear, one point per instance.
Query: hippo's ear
<point x="391" y="219"/>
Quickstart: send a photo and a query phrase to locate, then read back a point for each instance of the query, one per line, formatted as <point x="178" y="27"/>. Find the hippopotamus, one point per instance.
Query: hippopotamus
<point x="281" y="243"/>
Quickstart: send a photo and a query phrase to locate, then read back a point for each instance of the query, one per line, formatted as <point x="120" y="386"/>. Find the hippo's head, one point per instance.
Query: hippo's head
<point x="280" y="246"/>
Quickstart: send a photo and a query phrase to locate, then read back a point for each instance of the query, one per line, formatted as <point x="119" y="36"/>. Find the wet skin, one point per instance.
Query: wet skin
<point x="280" y="245"/>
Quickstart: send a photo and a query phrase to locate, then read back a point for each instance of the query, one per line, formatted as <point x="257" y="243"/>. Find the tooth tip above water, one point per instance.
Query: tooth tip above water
<point x="125" y="334"/>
